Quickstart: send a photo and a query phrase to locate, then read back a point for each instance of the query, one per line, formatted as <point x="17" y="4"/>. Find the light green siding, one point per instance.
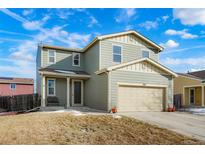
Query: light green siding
<point x="95" y="87"/>
<point x="61" y="90"/>
<point x="63" y="60"/>
<point x="138" y="77"/>
<point x="129" y="52"/>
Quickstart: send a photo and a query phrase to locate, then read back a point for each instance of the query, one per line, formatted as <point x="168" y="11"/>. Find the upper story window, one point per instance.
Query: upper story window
<point x="51" y="56"/>
<point x="13" y="86"/>
<point x="145" y="54"/>
<point x="76" y="59"/>
<point x="51" y="87"/>
<point x="117" y="54"/>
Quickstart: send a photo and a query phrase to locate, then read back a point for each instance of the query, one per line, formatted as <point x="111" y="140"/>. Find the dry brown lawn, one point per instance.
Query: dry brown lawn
<point x="65" y="128"/>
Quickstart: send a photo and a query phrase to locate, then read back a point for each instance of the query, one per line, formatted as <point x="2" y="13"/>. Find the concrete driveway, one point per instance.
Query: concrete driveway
<point x="184" y="123"/>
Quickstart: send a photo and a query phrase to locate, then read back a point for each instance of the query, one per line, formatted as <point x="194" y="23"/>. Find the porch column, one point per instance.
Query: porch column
<point x="68" y="93"/>
<point x="202" y="95"/>
<point x="43" y="91"/>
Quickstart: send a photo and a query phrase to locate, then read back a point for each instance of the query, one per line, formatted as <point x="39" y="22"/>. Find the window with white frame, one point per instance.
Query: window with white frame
<point x="76" y="59"/>
<point x="51" y="56"/>
<point x="51" y="87"/>
<point x="145" y="54"/>
<point x="13" y="86"/>
<point x="117" y="54"/>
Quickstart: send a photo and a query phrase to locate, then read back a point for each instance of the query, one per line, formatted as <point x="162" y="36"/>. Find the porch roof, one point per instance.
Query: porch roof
<point x="64" y="73"/>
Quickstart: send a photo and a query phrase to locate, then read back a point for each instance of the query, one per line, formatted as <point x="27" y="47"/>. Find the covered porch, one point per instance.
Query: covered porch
<point x="62" y="88"/>
<point x="194" y="96"/>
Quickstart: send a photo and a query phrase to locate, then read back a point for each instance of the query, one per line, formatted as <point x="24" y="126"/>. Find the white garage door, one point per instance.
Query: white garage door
<point x="131" y="98"/>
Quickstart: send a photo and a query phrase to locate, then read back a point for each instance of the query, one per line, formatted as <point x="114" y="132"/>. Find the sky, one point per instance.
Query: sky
<point x="180" y="31"/>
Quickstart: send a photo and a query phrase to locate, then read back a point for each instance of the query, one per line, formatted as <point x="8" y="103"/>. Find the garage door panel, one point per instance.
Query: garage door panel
<point x="132" y="98"/>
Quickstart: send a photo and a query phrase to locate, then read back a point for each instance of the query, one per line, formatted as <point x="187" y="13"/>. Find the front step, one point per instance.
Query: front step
<point x="52" y="108"/>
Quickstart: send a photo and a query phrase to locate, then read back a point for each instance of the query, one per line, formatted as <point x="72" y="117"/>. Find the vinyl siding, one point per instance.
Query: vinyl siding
<point x="138" y="77"/>
<point x="38" y="65"/>
<point x="61" y="90"/>
<point x="129" y="52"/>
<point x="96" y="86"/>
<point x="63" y="60"/>
<point x="181" y="81"/>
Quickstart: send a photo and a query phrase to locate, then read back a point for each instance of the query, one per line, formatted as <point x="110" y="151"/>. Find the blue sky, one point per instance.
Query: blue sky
<point x="180" y="31"/>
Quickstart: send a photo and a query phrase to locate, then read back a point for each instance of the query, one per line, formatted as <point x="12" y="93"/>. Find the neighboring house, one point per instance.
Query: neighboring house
<point x="116" y="70"/>
<point x="16" y="86"/>
<point x="189" y="88"/>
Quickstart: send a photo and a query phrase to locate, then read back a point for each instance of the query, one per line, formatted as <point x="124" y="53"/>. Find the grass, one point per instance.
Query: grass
<point x="65" y="128"/>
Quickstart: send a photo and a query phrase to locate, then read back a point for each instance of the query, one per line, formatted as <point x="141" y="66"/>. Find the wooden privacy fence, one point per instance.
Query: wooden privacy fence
<point x="20" y="103"/>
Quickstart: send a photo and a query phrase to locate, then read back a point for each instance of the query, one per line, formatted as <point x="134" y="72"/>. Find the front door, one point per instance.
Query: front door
<point x="77" y="93"/>
<point x="191" y="96"/>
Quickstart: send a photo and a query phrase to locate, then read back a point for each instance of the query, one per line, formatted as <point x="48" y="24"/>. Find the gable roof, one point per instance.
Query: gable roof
<point x="187" y="75"/>
<point x="59" y="48"/>
<point x="199" y="74"/>
<point x="16" y="80"/>
<point x="137" y="61"/>
<point x="158" y="47"/>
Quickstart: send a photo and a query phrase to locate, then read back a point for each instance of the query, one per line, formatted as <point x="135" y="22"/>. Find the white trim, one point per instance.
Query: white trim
<point x="109" y="90"/>
<point x="82" y="93"/>
<point x="99" y="55"/>
<point x="49" y="57"/>
<point x="113" y="44"/>
<point x="192" y="86"/>
<point x="63" y="74"/>
<point x="54" y="87"/>
<point x="202" y="95"/>
<point x="123" y="33"/>
<point x="73" y="55"/>
<point x="131" y="32"/>
<point x="189" y="96"/>
<point x="43" y="91"/>
<point x="68" y="92"/>
<point x="141" y="84"/>
<point x="137" y="61"/>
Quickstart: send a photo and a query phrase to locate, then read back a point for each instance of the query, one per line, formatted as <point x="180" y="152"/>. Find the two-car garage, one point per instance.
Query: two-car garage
<point x="140" y="98"/>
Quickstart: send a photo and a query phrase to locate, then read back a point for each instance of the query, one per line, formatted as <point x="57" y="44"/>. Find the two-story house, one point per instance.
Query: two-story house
<point x="119" y="70"/>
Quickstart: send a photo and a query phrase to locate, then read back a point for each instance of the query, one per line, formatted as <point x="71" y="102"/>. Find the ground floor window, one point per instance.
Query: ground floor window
<point x="51" y="87"/>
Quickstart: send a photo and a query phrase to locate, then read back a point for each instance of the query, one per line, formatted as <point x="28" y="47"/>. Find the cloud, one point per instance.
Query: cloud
<point x="149" y="25"/>
<point x="13" y="15"/>
<point x="125" y="15"/>
<point x="184" y="49"/>
<point x="22" y="56"/>
<point x="190" y="17"/>
<point x="197" y="62"/>
<point x="129" y="27"/>
<point x="15" y="33"/>
<point x="170" y="44"/>
<point x="93" y="21"/>
<point x="182" y="33"/>
<point x="27" y="12"/>
<point x="164" y="18"/>
<point x="35" y="25"/>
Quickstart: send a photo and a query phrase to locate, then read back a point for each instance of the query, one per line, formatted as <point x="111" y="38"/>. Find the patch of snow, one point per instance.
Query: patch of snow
<point x="77" y="113"/>
<point x="116" y="116"/>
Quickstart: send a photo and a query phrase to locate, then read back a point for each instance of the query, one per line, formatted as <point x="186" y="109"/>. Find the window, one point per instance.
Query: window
<point x="51" y="87"/>
<point x="13" y="86"/>
<point x="117" y="54"/>
<point x="145" y="54"/>
<point x="51" y="56"/>
<point x="76" y="59"/>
